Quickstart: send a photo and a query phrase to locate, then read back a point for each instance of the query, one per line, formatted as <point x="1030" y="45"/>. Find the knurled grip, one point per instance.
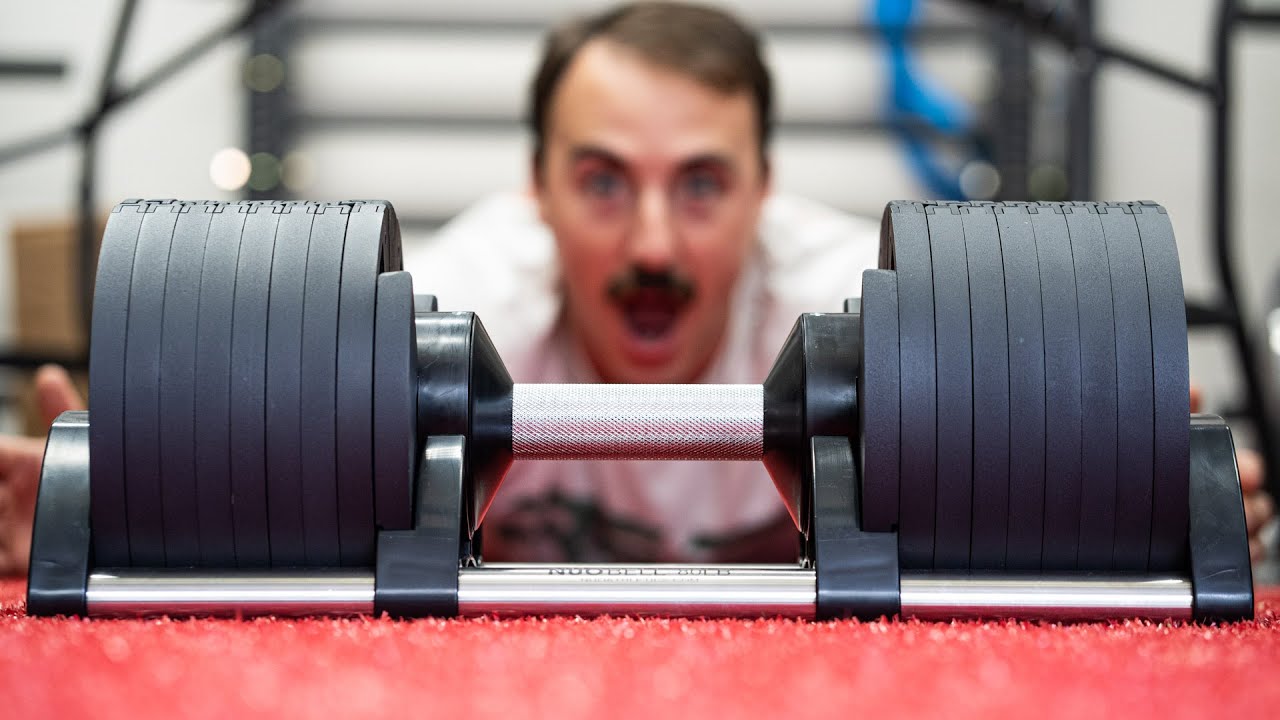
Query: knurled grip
<point x="637" y="422"/>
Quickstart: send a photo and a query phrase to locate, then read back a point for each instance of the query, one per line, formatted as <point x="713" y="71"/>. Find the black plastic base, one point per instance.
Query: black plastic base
<point x="857" y="571"/>
<point x="60" y="547"/>
<point x="1221" y="577"/>
<point x="417" y="570"/>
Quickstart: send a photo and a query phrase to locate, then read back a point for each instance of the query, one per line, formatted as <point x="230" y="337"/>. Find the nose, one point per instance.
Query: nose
<point x="653" y="238"/>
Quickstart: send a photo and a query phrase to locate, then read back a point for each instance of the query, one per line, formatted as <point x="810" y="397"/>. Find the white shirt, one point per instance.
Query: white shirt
<point x="498" y="260"/>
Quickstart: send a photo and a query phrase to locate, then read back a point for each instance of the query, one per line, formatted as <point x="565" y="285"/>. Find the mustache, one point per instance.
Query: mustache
<point x="634" y="281"/>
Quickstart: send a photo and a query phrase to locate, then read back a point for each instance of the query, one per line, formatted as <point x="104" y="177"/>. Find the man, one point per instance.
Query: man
<point x="647" y="252"/>
<point x="649" y="249"/>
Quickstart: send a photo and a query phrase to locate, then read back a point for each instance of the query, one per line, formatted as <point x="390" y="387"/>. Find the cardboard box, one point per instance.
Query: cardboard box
<point x="47" y="312"/>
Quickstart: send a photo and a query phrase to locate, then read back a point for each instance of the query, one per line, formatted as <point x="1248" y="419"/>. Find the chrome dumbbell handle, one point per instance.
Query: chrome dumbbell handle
<point x="638" y="422"/>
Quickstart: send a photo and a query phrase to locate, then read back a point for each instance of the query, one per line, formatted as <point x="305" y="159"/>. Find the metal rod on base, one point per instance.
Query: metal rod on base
<point x="712" y="591"/>
<point x="144" y="593"/>
<point x="706" y="591"/>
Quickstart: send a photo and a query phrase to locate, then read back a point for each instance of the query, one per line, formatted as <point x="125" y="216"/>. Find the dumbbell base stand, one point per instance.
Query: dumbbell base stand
<point x="708" y="591"/>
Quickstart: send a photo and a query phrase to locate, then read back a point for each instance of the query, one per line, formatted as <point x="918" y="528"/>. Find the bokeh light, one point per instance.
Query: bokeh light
<point x="229" y="169"/>
<point x="265" y="171"/>
<point x="263" y="73"/>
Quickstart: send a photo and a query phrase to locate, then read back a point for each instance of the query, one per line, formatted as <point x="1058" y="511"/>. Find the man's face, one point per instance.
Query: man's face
<point x="652" y="185"/>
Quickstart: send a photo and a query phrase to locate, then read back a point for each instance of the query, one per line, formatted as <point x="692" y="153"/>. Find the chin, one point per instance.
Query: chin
<point x="626" y="367"/>
<point x="672" y="373"/>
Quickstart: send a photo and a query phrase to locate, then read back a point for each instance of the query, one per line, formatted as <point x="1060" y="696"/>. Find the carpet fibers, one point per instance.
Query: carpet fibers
<point x="624" y="668"/>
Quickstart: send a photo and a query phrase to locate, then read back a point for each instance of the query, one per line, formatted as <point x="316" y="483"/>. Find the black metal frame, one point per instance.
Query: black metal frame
<point x="1076" y="35"/>
<point x="31" y="68"/>
<point x="272" y="117"/>
<point x="108" y="98"/>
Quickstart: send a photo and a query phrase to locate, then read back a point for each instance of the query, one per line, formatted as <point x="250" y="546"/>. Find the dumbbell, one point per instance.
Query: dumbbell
<point x="997" y="427"/>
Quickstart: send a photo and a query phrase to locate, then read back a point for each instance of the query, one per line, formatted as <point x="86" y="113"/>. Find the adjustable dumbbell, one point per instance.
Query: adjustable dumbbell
<point x="998" y="426"/>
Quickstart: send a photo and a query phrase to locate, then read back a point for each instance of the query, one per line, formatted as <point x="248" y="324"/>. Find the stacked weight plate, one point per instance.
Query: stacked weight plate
<point x="235" y="372"/>
<point x="1025" y="387"/>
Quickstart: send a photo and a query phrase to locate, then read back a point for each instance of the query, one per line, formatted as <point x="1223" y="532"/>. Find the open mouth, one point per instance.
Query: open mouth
<point x="651" y="314"/>
<point x="651" y="302"/>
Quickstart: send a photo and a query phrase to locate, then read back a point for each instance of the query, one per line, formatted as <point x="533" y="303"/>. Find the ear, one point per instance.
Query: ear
<point x="537" y="184"/>
<point x="765" y="188"/>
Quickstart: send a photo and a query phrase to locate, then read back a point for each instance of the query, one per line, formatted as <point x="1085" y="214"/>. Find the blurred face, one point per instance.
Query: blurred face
<point x="652" y="185"/>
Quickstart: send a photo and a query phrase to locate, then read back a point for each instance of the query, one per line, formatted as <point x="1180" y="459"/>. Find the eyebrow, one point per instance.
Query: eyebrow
<point x="595" y="152"/>
<point x="709" y="160"/>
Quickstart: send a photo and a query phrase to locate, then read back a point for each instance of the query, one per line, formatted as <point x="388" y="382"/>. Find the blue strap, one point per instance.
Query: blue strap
<point x="914" y="101"/>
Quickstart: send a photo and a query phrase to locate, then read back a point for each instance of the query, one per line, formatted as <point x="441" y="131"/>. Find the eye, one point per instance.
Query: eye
<point x="701" y="185"/>
<point x="603" y="184"/>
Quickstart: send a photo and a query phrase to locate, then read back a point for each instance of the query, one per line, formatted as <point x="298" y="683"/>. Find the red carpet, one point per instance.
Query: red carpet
<point x="620" y="668"/>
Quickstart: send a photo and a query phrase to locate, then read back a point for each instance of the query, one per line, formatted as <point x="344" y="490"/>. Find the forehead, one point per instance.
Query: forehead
<point x="613" y="98"/>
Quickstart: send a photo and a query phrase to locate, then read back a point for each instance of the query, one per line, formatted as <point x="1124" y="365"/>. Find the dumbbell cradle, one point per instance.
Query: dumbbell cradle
<point x="969" y="439"/>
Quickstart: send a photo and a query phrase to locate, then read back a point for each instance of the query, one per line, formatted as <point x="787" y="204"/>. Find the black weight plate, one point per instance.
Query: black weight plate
<point x="284" y="386"/>
<point x="904" y="247"/>
<point x="395" y="409"/>
<point x="1098" y="391"/>
<point x="319" y="380"/>
<point x="1170" y="511"/>
<point x="1062" y="388"/>
<point x="213" y="385"/>
<point x="990" y="387"/>
<point x="953" y="526"/>
<point x="108" y="502"/>
<point x="1135" y="389"/>
<point x="1026" y="387"/>
<point x="248" y="387"/>
<point x="878" y="391"/>
<point x="364" y="255"/>
<point x="141" y="391"/>
<point x="177" y="385"/>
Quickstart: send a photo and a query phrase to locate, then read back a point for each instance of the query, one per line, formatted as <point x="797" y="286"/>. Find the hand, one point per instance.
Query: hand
<point x="1259" y="509"/>
<point x="20" y="459"/>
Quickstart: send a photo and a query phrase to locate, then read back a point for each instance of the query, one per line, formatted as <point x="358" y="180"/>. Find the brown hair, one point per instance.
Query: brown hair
<point x="704" y="43"/>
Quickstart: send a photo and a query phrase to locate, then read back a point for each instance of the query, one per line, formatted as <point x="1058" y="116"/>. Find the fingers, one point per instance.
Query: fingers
<point x="1258" y="511"/>
<point x="55" y="393"/>
<point x="1249" y="463"/>
<point x="19" y="479"/>
<point x="1195" y="398"/>
<point x="19" y="454"/>
<point x="15" y="539"/>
